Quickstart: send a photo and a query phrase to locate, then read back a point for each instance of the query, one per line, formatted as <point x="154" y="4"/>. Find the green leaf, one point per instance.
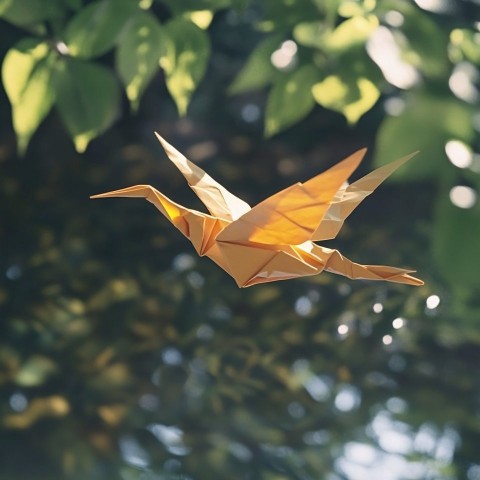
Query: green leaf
<point x="290" y="99"/>
<point x="283" y="15"/>
<point x="464" y="46"/>
<point x="35" y="371"/>
<point x="26" y="75"/>
<point x="353" y="8"/>
<point x="185" y="60"/>
<point x="310" y="34"/>
<point x="348" y="95"/>
<point x="201" y="18"/>
<point x="427" y="123"/>
<point x="26" y="13"/>
<point x="427" y="44"/>
<point x="74" y="5"/>
<point x="422" y="40"/>
<point x="87" y="96"/>
<point x="240" y="5"/>
<point x="140" y="48"/>
<point x="95" y="28"/>
<point x="351" y="33"/>
<point x="258" y="70"/>
<point x="455" y="242"/>
<point x="329" y="9"/>
<point x="180" y="6"/>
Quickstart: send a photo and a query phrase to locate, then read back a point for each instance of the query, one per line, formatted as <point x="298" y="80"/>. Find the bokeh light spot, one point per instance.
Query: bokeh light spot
<point x="432" y="302"/>
<point x="463" y="197"/>
<point x="459" y="153"/>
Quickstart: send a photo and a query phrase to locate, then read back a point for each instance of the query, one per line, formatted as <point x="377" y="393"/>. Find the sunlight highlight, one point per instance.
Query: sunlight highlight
<point x="462" y="82"/>
<point x="432" y="302"/>
<point x="284" y="57"/>
<point x="387" y="339"/>
<point x="459" y="153"/>
<point x="394" y="18"/>
<point x="377" y="307"/>
<point x="342" y="329"/>
<point x="394" y="106"/>
<point x="437" y="6"/>
<point x="303" y="306"/>
<point x="398" y="323"/>
<point x="384" y="51"/>
<point x="463" y="197"/>
<point x="347" y="398"/>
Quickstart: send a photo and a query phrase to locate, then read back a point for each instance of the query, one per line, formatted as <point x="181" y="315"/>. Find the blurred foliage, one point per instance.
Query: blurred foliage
<point x="62" y="60"/>
<point x="340" y="54"/>
<point x="329" y="53"/>
<point x="124" y="356"/>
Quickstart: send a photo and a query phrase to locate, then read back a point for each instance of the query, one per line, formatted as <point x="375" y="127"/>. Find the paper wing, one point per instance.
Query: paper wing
<point x="334" y="262"/>
<point x="349" y="199"/>
<point x="218" y="200"/>
<point x="198" y="227"/>
<point x="291" y="216"/>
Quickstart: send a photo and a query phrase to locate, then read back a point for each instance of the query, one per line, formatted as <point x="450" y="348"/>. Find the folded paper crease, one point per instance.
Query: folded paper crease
<point x="274" y="239"/>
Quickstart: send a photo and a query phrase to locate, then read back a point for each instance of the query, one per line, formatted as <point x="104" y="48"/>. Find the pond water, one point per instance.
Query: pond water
<point x="124" y="355"/>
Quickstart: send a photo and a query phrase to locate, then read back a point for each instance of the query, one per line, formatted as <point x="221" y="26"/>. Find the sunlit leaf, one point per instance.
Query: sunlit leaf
<point x="139" y="49"/>
<point x="112" y="414"/>
<point x="290" y="99"/>
<point x="258" y="70"/>
<point x="310" y="34"/>
<point x="30" y="12"/>
<point x="87" y="98"/>
<point x="201" y="18"/>
<point x="350" y="96"/>
<point x="35" y="371"/>
<point x="95" y="28"/>
<point x="185" y="60"/>
<point x="455" y="242"/>
<point x="282" y="15"/>
<point x="329" y="9"/>
<point x="352" y="32"/>
<point x="54" y="406"/>
<point x="352" y="8"/>
<point x="180" y="6"/>
<point x="26" y="75"/>
<point x="427" y="123"/>
<point x="465" y="45"/>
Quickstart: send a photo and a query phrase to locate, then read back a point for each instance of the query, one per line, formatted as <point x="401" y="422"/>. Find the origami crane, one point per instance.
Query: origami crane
<point x="273" y="240"/>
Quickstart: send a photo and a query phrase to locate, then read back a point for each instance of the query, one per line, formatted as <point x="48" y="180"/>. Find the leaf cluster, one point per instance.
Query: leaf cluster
<point x="63" y="60"/>
<point x="415" y="70"/>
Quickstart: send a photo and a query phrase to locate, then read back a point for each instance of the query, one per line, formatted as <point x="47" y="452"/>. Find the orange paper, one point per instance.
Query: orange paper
<point x="274" y="240"/>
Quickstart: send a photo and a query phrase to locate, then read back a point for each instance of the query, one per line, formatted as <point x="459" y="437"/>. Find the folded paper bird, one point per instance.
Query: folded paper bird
<point x="273" y="240"/>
